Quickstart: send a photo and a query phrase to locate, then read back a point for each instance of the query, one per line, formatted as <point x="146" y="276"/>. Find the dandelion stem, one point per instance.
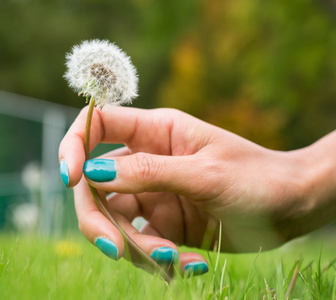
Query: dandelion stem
<point x="88" y="128"/>
<point x="151" y="265"/>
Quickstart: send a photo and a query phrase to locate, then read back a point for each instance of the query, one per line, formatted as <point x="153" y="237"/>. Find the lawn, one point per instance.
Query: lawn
<point x="71" y="268"/>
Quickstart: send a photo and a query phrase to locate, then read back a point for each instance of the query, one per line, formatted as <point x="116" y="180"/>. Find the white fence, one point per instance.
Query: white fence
<point x="54" y="119"/>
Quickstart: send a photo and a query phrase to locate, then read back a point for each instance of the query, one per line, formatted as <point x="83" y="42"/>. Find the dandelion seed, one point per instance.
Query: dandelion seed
<point x="102" y="71"/>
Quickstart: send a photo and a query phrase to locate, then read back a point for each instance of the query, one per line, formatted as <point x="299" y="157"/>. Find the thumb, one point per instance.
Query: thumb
<point x="144" y="172"/>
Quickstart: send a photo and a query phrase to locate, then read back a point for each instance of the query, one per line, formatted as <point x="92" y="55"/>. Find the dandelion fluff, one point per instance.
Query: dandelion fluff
<point x="102" y="71"/>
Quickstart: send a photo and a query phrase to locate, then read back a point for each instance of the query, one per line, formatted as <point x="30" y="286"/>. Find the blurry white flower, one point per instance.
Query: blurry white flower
<point x="26" y="216"/>
<point x="100" y="70"/>
<point x="32" y="175"/>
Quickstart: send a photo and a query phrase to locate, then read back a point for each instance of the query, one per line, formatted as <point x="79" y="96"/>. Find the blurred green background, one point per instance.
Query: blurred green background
<point x="265" y="70"/>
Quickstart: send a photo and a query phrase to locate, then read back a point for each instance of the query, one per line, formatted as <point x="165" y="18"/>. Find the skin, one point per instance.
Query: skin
<point x="181" y="173"/>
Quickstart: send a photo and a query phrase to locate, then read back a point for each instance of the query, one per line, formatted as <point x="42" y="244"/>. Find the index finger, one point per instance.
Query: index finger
<point x="130" y="126"/>
<point x="71" y="150"/>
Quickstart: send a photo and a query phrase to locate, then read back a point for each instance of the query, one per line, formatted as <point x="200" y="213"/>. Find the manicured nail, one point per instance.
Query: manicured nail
<point x="165" y="255"/>
<point x="107" y="247"/>
<point x="196" y="268"/>
<point x="100" y="170"/>
<point x="64" y="173"/>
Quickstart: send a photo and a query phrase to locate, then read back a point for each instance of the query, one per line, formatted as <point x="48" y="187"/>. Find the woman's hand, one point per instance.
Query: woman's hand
<point x="182" y="174"/>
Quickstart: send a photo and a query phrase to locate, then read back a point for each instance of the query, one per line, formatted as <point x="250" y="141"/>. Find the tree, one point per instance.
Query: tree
<point x="263" y="69"/>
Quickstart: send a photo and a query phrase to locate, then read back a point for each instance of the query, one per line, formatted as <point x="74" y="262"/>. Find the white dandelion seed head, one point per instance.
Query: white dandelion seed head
<point x="102" y="71"/>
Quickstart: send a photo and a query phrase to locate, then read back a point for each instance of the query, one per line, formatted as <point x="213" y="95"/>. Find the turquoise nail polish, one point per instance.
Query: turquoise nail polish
<point x="64" y="173"/>
<point x="100" y="170"/>
<point x="196" y="268"/>
<point x="165" y="255"/>
<point x="107" y="247"/>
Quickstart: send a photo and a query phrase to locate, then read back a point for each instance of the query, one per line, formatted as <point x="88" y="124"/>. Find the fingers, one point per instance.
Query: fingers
<point x="190" y="264"/>
<point x="95" y="226"/>
<point x="144" y="172"/>
<point x="140" y="128"/>
<point x="98" y="230"/>
<point x="193" y="264"/>
<point x="160" y="131"/>
<point x="71" y="150"/>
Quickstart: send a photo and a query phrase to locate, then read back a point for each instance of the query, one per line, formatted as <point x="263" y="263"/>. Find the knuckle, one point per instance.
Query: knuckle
<point x="85" y="222"/>
<point x="147" y="166"/>
<point x="81" y="225"/>
<point x="173" y="113"/>
<point x="169" y="113"/>
<point x="166" y="110"/>
<point x="211" y="170"/>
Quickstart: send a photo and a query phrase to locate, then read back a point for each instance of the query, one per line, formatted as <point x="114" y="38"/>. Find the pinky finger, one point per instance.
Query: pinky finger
<point x="193" y="264"/>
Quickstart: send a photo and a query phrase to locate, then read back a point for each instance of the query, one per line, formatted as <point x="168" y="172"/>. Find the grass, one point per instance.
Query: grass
<point x="71" y="268"/>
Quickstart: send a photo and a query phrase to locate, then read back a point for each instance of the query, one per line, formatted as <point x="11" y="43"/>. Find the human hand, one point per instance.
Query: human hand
<point x="180" y="173"/>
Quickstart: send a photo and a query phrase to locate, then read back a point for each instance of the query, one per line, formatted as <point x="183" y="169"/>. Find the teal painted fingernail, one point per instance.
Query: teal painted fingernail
<point x="196" y="268"/>
<point x="165" y="255"/>
<point x="64" y="173"/>
<point x="107" y="247"/>
<point x="100" y="170"/>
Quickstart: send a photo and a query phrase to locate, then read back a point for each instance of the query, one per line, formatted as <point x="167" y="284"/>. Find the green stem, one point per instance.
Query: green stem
<point x="151" y="265"/>
<point x="88" y="128"/>
<point x="292" y="281"/>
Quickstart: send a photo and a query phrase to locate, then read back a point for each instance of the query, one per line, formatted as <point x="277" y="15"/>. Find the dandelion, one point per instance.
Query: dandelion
<point x="99" y="70"/>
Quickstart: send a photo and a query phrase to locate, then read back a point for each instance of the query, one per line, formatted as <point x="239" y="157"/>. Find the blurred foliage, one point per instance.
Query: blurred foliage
<point x="36" y="34"/>
<point x="263" y="69"/>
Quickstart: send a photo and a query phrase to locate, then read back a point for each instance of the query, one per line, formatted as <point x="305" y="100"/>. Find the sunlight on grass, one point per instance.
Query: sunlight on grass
<point x="71" y="268"/>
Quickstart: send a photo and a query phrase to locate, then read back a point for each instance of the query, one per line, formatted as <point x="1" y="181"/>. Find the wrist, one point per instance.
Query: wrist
<point x="318" y="162"/>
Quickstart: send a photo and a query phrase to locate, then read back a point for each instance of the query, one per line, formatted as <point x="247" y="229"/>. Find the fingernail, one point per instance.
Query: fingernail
<point x="64" y="173"/>
<point x="100" y="170"/>
<point x="107" y="247"/>
<point x="165" y="255"/>
<point x="196" y="268"/>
